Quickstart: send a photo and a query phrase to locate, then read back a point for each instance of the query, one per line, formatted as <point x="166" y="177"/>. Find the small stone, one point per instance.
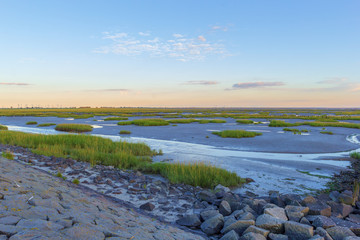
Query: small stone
<point x="189" y="221"/>
<point x="270" y="223"/>
<point x="339" y="233"/>
<point x="232" y="235"/>
<point x="1" y="196"/>
<point x="147" y="206"/>
<point x="213" y="225"/>
<point x="324" y="222"/>
<point x="224" y="208"/>
<point x="298" y="231"/>
<point x="308" y="199"/>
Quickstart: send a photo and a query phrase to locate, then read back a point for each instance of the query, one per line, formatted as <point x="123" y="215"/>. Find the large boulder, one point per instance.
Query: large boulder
<point x="213" y="225"/>
<point x="270" y="223"/>
<point x="323" y="233"/>
<point x="354" y="227"/>
<point x="319" y="208"/>
<point x="207" y="196"/>
<point x="298" y="231"/>
<point x="324" y="222"/>
<point x="273" y="236"/>
<point x="277" y="213"/>
<point x="224" y="208"/>
<point x="339" y="233"/>
<point x="252" y="236"/>
<point x="340" y="210"/>
<point x="206" y="214"/>
<point x="232" y="235"/>
<point x="191" y="220"/>
<point x="239" y="226"/>
<point x="257" y="230"/>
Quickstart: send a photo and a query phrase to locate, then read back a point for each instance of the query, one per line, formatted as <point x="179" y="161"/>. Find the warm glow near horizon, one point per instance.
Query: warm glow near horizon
<point x="180" y="54"/>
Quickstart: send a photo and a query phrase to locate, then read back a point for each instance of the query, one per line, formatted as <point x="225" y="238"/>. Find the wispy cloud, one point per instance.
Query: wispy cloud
<point x="177" y="46"/>
<point x="334" y="80"/>
<point x="123" y="90"/>
<point x="343" y="83"/>
<point x="200" y="83"/>
<point x="14" y="84"/>
<point x="246" y="85"/>
<point x="219" y="28"/>
<point x="144" y="34"/>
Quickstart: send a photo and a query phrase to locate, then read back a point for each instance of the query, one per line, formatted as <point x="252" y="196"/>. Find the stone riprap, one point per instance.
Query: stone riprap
<point x="37" y="205"/>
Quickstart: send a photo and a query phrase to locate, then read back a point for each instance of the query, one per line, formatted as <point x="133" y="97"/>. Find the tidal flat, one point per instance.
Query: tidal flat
<point x="276" y="160"/>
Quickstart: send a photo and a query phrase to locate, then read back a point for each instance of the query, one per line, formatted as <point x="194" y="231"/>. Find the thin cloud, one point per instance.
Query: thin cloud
<point x="177" y="47"/>
<point x="144" y="34"/>
<point x="120" y="90"/>
<point x="14" y="84"/>
<point x="247" y="85"/>
<point x="200" y="83"/>
<point x="334" y="80"/>
<point x="219" y="28"/>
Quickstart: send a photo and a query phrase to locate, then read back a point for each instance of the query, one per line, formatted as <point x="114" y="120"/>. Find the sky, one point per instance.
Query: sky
<point x="187" y="53"/>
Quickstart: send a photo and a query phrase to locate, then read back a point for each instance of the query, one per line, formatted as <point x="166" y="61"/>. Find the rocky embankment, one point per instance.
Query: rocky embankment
<point x="36" y="205"/>
<point x="219" y="213"/>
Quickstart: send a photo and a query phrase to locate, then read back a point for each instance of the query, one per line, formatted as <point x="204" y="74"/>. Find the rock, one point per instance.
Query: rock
<point x="239" y="226"/>
<point x="232" y="235"/>
<point x="273" y="236"/>
<point x="3" y="237"/>
<point x="213" y="225"/>
<point x="352" y="238"/>
<point x="8" y="230"/>
<point x="295" y="216"/>
<point x="319" y="208"/>
<point x="291" y="208"/>
<point x="304" y="220"/>
<point x="83" y="232"/>
<point x="207" y="196"/>
<point x="229" y="220"/>
<point x="38" y="224"/>
<point x="257" y="230"/>
<point x="334" y="195"/>
<point x="324" y="222"/>
<point x="1" y="196"/>
<point x="270" y="223"/>
<point x="224" y="208"/>
<point x="317" y="237"/>
<point x="340" y="210"/>
<point x="308" y="200"/>
<point x="339" y="233"/>
<point x="147" y="206"/>
<point x="275" y="198"/>
<point x="323" y="233"/>
<point x="345" y="198"/>
<point x="298" y="231"/>
<point x="354" y="227"/>
<point x="220" y="187"/>
<point x="9" y="220"/>
<point x="355" y="218"/>
<point x="277" y="213"/>
<point x="246" y="216"/>
<point x="189" y="221"/>
<point x="252" y="236"/>
<point x="206" y="214"/>
<point x="291" y="199"/>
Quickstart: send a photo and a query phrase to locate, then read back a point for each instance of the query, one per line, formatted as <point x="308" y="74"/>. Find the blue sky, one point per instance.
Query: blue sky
<point x="180" y="53"/>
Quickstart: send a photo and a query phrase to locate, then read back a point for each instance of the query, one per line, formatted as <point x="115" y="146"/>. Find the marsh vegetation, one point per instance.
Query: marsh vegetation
<point x="237" y="134"/>
<point x="75" y="128"/>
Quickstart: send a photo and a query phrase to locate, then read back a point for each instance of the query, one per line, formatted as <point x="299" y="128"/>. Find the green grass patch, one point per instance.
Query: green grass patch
<point x="2" y="127"/>
<point x="295" y="131"/>
<point x="245" y="121"/>
<point x="31" y="123"/>
<point x="123" y="155"/>
<point x="46" y="124"/>
<point x="73" y="127"/>
<point x="237" y="134"/>
<point x="124" y="132"/>
<point x="8" y="155"/>
<point x="196" y="174"/>
<point x="313" y="175"/>
<point x="327" y="132"/>
<point x="146" y="122"/>
<point x="182" y="120"/>
<point x="115" y="118"/>
<point x="281" y="123"/>
<point x="203" y="121"/>
<point x="355" y="155"/>
<point x="76" y="181"/>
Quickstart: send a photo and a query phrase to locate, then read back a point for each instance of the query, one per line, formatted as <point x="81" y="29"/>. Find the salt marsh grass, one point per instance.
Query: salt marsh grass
<point x="115" y="118"/>
<point x="245" y="121"/>
<point x="327" y="132"/>
<point x="77" y="128"/>
<point x="236" y="134"/>
<point x="46" y="124"/>
<point x="8" y="155"/>
<point x="124" y="132"/>
<point x="355" y="155"/>
<point x="2" y="127"/>
<point x="31" y="123"/>
<point x="146" y="122"/>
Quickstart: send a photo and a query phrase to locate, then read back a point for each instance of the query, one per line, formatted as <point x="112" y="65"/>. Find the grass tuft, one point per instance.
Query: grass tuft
<point x="31" y="123"/>
<point x="327" y="132"/>
<point x="115" y="118"/>
<point x="237" y="134"/>
<point x="355" y="155"/>
<point x="77" y="128"/>
<point x="146" y="122"/>
<point x="245" y="121"/>
<point x="8" y="155"/>
<point x="124" y="132"/>
<point x="46" y="124"/>
<point x="76" y="181"/>
<point x="2" y="127"/>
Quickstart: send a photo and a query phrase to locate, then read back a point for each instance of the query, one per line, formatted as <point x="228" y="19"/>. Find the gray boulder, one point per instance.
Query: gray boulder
<point x="345" y="198"/>
<point x="224" y="208"/>
<point x="323" y="233"/>
<point x="319" y="208"/>
<point x="340" y="210"/>
<point x="339" y="233"/>
<point x="239" y="226"/>
<point x="232" y="235"/>
<point x="273" y="236"/>
<point x="324" y="222"/>
<point x="252" y="236"/>
<point x="257" y="230"/>
<point x="213" y="225"/>
<point x="206" y="196"/>
<point x="317" y="237"/>
<point x="206" y="214"/>
<point x="39" y="224"/>
<point x="220" y="187"/>
<point x="270" y="223"/>
<point x="277" y="213"/>
<point x="298" y="231"/>
<point x="191" y="220"/>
